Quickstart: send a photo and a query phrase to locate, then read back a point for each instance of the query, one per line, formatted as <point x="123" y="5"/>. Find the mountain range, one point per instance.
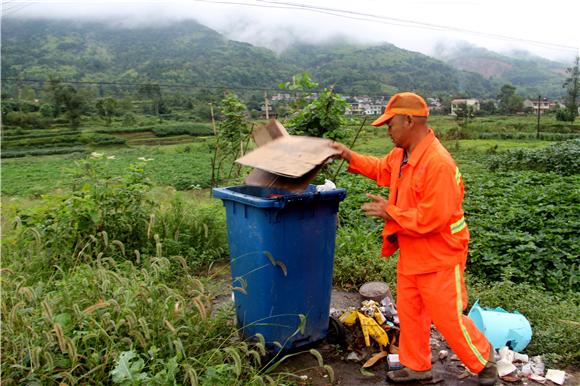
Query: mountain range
<point x="188" y="53"/>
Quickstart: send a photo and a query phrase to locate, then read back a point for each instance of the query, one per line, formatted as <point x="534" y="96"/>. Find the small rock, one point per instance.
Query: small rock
<point x="353" y="356"/>
<point x="443" y="354"/>
<point x="463" y="375"/>
<point x="510" y="378"/>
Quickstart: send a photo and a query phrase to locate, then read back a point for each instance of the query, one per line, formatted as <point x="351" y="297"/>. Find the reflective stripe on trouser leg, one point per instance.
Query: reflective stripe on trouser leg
<point x="442" y="294"/>
<point x="415" y="323"/>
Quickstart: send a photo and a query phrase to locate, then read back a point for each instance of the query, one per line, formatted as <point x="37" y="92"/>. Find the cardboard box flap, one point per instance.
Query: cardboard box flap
<point x="263" y="178"/>
<point x="264" y="134"/>
<point x="290" y="156"/>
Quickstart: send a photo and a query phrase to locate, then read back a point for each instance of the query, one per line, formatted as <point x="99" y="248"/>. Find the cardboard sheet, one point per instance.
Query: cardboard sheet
<point x="263" y="178"/>
<point x="290" y="156"/>
<point x="267" y="133"/>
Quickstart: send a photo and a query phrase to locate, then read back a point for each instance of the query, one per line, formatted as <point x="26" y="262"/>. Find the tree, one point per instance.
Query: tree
<point x="487" y="107"/>
<point x="302" y="86"/>
<point x="572" y="85"/>
<point x="233" y="129"/>
<point x="323" y="116"/>
<point x="234" y="123"/>
<point x="73" y="104"/>
<point x="53" y="89"/>
<point x="153" y="93"/>
<point x="509" y="101"/>
<point x="65" y="97"/>
<point x="464" y="114"/>
<point x="107" y="108"/>
<point x="46" y="110"/>
<point x="28" y="94"/>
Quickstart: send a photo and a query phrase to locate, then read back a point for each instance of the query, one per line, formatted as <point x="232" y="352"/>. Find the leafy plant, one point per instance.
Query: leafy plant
<point x="323" y="116"/>
<point x="562" y="158"/>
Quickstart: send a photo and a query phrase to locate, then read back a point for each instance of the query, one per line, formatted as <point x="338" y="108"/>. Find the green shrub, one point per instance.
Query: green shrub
<point x="185" y="129"/>
<point x="97" y="139"/>
<point x="524" y="226"/>
<point x="193" y="128"/>
<point x="192" y="230"/>
<point x="40" y="142"/>
<point x="565" y="115"/>
<point x="26" y="120"/>
<point x="562" y="158"/>
<point x="102" y="212"/>
<point x="546" y="136"/>
<point x="10" y="136"/>
<point x="17" y="153"/>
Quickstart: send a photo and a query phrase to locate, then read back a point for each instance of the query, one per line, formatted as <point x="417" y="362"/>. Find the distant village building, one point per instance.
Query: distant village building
<point x="375" y="109"/>
<point x="355" y="108"/>
<point x="434" y="103"/>
<point x="271" y="114"/>
<point x="543" y="105"/>
<point x="456" y="103"/>
<point x="282" y="97"/>
<point x="362" y="105"/>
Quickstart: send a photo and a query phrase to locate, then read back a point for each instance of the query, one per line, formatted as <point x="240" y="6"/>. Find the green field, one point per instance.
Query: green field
<point x="111" y="263"/>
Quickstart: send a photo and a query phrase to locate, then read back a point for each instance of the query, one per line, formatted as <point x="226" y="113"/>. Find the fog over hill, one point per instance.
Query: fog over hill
<point x="189" y="52"/>
<point x="544" y="29"/>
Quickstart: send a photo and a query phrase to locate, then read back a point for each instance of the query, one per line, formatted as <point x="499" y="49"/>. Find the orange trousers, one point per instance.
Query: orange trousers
<point x="437" y="297"/>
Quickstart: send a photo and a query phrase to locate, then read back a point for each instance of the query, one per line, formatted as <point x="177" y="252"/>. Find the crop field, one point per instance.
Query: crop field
<point x="112" y="262"/>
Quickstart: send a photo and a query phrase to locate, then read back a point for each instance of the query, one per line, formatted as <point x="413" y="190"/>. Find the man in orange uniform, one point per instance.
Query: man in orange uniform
<point x="424" y="219"/>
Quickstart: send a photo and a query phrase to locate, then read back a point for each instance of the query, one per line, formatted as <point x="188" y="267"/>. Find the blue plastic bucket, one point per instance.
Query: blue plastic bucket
<point x="502" y="328"/>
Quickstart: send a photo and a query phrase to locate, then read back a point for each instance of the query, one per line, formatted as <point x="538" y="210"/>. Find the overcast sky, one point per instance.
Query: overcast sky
<point x="549" y="28"/>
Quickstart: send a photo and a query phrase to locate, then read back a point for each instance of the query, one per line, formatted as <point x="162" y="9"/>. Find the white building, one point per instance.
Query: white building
<point x="543" y="105"/>
<point x="455" y="103"/>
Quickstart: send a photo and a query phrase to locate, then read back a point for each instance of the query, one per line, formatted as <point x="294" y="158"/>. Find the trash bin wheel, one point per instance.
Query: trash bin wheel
<point x="336" y="332"/>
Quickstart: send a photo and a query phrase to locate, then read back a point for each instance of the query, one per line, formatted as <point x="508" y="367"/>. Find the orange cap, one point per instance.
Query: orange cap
<point x="403" y="103"/>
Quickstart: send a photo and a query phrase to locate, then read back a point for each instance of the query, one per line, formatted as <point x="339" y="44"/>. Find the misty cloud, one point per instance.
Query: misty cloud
<point x="278" y="26"/>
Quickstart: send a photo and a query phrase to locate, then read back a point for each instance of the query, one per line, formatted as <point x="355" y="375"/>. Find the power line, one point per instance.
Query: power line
<point x="410" y="23"/>
<point x="174" y="85"/>
<point x="170" y="85"/>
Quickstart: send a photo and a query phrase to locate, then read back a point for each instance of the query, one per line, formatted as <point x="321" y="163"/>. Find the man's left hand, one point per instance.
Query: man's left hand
<point x="376" y="208"/>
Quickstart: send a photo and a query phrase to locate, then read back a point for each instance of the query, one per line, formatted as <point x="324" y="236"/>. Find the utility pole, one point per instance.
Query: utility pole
<point x="266" y="104"/>
<point x="538" y="129"/>
<point x="212" y="119"/>
<point x="214" y="161"/>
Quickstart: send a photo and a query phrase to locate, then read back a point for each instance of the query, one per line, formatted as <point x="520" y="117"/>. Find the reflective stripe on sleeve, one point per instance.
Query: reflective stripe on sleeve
<point x="457" y="175"/>
<point x="458" y="225"/>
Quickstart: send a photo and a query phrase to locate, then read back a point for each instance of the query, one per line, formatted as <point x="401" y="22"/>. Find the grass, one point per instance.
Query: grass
<point x="88" y="309"/>
<point x="180" y="166"/>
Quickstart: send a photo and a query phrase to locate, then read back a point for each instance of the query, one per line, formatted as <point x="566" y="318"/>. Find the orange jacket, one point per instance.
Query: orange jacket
<point x="425" y="204"/>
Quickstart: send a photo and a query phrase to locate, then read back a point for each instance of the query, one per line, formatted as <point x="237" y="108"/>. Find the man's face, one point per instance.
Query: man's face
<point x="398" y="129"/>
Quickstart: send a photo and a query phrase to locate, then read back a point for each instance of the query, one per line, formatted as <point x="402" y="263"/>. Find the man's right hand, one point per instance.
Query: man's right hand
<point x="345" y="152"/>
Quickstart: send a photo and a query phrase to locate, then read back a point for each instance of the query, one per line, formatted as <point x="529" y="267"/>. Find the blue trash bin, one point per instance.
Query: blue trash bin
<point x="282" y="257"/>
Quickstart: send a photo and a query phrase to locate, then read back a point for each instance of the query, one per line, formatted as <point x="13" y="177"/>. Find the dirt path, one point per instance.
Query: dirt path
<point x="449" y="371"/>
<point x="347" y="372"/>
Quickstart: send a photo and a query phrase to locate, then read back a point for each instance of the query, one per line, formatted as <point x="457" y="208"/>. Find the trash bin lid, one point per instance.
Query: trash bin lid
<point x="262" y="197"/>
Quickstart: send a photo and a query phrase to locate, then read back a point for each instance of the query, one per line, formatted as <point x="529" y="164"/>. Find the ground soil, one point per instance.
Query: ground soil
<point x="449" y="371"/>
